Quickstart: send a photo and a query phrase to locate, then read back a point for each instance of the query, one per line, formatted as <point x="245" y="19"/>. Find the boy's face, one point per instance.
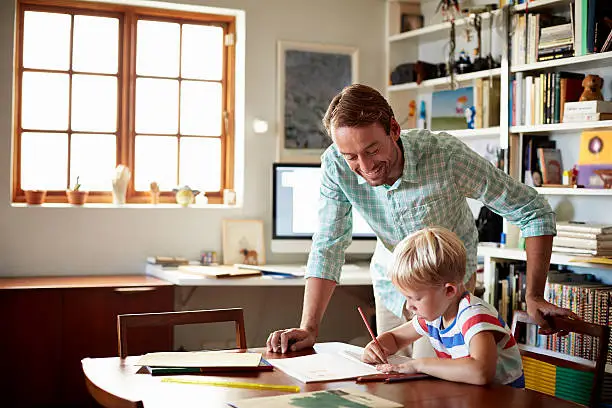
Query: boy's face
<point x="429" y="302"/>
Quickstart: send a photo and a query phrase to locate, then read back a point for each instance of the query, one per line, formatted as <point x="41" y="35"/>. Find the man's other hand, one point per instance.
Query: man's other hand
<point x="539" y="309"/>
<point x="282" y="341"/>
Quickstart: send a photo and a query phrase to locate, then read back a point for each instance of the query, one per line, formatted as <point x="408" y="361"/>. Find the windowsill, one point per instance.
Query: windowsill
<point x="131" y="206"/>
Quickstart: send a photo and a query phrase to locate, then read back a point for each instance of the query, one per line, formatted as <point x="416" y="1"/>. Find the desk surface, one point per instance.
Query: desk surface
<point x="120" y="379"/>
<point x="358" y="275"/>
<point x="61" y="282"/>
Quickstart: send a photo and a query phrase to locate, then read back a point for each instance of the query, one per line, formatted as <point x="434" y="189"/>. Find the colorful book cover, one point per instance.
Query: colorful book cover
<point x="448" y="108"/>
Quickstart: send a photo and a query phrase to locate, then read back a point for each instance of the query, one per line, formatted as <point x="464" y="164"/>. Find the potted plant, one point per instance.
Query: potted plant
<point x="76" y="196"/>
<point x="35" y="197"/>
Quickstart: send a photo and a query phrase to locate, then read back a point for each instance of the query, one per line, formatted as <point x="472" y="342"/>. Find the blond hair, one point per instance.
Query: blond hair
<point x="358" y="105"/>
<point x="429" y="257"/>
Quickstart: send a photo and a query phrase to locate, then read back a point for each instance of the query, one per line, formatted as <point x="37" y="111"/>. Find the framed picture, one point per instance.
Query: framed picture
<point x="411" y="22"/>
<point x="448" y="108"/>
<point x="309" y="76"/>
<point x="243" y="242"/>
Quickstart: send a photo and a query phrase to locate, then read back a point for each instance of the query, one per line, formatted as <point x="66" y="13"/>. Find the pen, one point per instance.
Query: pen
<point x="371" y="332"/>
<point x="234" y="384"/>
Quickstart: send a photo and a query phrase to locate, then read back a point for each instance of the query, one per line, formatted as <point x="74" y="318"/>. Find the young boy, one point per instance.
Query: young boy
<point x="473" y="344"/>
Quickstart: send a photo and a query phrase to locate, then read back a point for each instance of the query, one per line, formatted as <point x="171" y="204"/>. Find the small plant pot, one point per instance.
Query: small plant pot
<point x="76" y="197"/>
<point x="35" y="197"/>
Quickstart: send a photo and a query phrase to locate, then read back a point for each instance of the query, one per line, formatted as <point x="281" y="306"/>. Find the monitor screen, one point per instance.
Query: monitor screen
<point x="296" y="203"/>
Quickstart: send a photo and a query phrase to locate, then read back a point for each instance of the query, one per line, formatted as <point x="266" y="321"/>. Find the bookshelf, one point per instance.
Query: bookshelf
<point x="430" y="44"/>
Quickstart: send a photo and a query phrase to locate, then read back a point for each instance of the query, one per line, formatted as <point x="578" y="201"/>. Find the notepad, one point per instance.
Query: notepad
<point x="343" y="397"/>
<point x="200" y="359"/>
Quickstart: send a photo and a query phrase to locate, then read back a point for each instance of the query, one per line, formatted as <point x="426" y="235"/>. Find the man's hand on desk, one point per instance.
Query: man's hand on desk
<point x="282" y="341"/>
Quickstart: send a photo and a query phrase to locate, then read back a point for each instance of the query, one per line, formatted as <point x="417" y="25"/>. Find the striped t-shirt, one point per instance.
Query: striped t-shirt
<point x="474" y="316"/>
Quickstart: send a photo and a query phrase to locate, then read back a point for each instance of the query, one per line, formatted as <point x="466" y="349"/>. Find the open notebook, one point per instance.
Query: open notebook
<point x="344" y="365"/>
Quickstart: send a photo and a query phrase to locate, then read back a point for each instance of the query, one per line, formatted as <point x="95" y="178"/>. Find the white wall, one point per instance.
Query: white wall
<point x="69" y="241"/>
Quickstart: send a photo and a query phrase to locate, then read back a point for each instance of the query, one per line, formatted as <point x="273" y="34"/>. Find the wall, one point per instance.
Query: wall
<point x="68" y="241"/>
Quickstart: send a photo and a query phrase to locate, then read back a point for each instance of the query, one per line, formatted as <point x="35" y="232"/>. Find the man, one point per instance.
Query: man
<point x="401" y="182"/>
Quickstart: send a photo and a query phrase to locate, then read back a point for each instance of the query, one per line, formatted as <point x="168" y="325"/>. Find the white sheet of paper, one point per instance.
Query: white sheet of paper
<point x="394" y="359"/>
<point x="343" y="397"/>
<point x="200" y="359"/>
<point x="322" y="367"/>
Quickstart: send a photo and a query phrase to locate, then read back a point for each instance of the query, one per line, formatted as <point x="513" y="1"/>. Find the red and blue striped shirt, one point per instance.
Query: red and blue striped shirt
<point x="474" y="316"/>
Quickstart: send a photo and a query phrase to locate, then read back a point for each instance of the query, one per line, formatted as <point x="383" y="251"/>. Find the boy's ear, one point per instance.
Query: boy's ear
<point x="450" y="289"/>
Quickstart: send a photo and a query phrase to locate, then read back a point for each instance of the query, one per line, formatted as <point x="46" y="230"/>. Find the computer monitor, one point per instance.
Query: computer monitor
<point x="295" y="196"/>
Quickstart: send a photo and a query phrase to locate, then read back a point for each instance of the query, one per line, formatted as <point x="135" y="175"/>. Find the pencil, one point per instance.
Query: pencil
<point x="365" y="321"/>
<point x="233" y="384"/>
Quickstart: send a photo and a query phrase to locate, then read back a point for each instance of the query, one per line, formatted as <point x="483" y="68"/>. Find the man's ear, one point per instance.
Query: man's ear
<point x="450" y="289"/>
<point x="395" y="129"/>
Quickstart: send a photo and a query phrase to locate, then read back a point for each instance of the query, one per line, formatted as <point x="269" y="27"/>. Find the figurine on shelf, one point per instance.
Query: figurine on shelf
<point x="422" y="122"/>
<point x="470" y="116"/>
<point x="464" y="64"/>
<point x="592" y="88"/>
<point x="573" y="176"/>
<point x="154" y="192"/>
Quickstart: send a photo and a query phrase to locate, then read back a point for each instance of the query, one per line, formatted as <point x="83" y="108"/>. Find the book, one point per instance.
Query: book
<point x="156" y="370"/>
<point x="550" y="165"/>
<point x="584" y="227"/>
<point x="219" y="272"/>
<point x="343" y="365"/>
<point x="200" y="359"/>
<point x="167" y="260"/>
<point x="586" y="117"/>
<point x="588" y="107"/>
<point x="581" y="243"/>
<point x="582" y="251"/>
<point x="584" y="235"/>
<point x="342" y="397"/>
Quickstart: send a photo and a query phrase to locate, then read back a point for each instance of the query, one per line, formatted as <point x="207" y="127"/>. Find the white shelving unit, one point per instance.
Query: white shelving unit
<point x="563" y="191"/>
<point x="571" y="127"/>
<point x="539" y="5"/>
<point x="600" y="60"/>
<point x="445" y="81"/>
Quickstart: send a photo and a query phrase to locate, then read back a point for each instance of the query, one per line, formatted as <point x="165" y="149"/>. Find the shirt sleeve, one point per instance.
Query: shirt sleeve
<point x="334" y="233"/>
<point x="520" y="204"/>
<point x="478" y="318"/>
<point x="419" y="325"/>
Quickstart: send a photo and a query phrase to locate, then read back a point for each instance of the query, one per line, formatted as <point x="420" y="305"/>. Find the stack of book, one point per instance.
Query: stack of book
<point x="587" y="111"/>
<point x="583" y="238"/>
<point x="556" y="42"/>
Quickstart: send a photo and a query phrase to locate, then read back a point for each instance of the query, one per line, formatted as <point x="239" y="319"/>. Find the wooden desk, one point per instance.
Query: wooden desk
<point x="119" y="378"/>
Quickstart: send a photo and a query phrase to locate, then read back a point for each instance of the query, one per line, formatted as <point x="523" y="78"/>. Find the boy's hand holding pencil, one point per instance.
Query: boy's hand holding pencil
<point x="374" y="352"/>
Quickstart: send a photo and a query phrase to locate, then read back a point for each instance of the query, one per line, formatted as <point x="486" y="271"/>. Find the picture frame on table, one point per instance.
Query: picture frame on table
<point x="309" y="76"/>
<point x="243" y="242"/>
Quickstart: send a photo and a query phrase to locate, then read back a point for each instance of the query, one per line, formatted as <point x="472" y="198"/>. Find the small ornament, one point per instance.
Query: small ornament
<point x="592" y="88"/>
<point x="185" y="195"/>
<point x="154" y="192"/>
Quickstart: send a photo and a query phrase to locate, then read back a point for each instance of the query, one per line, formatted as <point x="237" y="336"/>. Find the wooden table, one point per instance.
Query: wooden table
<point x="120" y="378"/>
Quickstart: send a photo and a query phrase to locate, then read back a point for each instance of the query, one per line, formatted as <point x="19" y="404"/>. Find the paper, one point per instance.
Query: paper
<point x="322" y="367"/>
<point x="218" y="271"/>
<point x="394" y="359"/>
<point x="341" y="398"/>
<point x="200" y="359"/>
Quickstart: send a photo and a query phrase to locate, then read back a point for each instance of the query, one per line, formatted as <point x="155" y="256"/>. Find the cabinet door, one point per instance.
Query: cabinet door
<point x="30" y="347"/>
<point x="90" y="329"/>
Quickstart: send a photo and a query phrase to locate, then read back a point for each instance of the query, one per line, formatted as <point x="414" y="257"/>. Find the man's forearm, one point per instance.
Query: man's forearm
<point x="317" y="294"/>
<point x="538" y="251"/>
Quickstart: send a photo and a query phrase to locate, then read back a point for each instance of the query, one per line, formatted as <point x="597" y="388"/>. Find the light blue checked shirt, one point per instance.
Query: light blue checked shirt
<point x="439" y="173"/>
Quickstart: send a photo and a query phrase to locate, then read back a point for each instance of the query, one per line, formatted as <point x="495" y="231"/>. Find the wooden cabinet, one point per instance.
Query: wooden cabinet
<point x="50" y="324"/>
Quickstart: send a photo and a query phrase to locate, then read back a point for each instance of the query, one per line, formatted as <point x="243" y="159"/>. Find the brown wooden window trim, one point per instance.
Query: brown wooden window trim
<point x="128" y="16"/>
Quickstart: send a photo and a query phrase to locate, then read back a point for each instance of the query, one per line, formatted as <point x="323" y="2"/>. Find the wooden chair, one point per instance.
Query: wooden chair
<point x="179" y="318"/>
<point x="108" y="400"/>
<point x="570" y="326"/>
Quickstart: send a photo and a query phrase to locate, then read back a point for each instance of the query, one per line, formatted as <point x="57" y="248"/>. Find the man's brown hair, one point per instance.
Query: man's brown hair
<point x="358" y="105"/>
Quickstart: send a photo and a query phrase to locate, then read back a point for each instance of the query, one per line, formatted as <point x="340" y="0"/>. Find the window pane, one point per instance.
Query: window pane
<point x="93" y="158"/>
<point x="201" y="104"/>
<point x="94" y="103"/>
<point x="44" y="103"/>
<point x="95" y="44"/>
<point x="200" y="163"/>
<point x="46" y="40"/>
<point x="44" y="161"/>
<point x="156" y="160"/>
<point x="202" y="52"/>
<point x="156" y="106"/>
<point x="157" y="48"/>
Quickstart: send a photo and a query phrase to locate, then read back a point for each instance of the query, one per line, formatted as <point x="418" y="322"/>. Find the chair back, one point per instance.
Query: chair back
<point x="109" y="400"/>
<point x="597" y="367"/>
<point x="126" y="321"/>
